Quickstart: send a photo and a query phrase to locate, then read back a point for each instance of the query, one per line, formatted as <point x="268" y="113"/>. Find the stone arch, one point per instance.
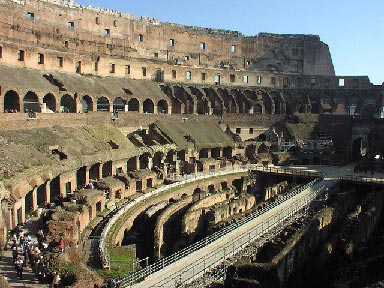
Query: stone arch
<point x="119" y="104"/>
<point x="86" y="104"/>
<point x="262" y="149"/>
<point x="11" y="101"/>
<point x="148" y="106"/>
<point x="162" y="107"/>
<point x="144" y="160"/>
<point x="31" y="102"/>
<point x="106" y="169"/>
<point x="67" y="104"/>
<point x="257" y="109"/>
<point x="50" y="102"/>
<point x="102" y="104"/>
<point x="277" y="102"/>
<point x="203" y="153"/>
<point x="133" y="105"/>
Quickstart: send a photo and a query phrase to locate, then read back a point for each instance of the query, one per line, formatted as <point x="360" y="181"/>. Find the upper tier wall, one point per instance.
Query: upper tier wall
<point x="103" y="34"/>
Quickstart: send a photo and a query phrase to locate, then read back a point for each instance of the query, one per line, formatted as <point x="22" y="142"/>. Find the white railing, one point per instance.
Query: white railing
<point x="104" y="255"/>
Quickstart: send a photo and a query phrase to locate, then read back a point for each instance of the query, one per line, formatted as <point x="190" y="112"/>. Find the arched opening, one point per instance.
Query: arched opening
<point x="315" y="108"/>
<point x="144" y="160"/>
<point x="67" y="104"/>
<point x="215" y="152"/>
<point x="107" y="169"/>
<point x="157" y="160"/>
<point x="148" y="106"/>
<point x="86" y="104"/>
<point x="31" y="102"/>
<point x="227" y="152"/>
<point x="11" y="102"/>
<point x="300" y="108"/>
<point x="162" y="107"/>
<point x="237" y="183"/>
<point x="50" y="103"/>
<point x="203" y="153"/>
<point x="262" y="149"/>
<point x="94" y="172"/>
<point x="133" y="105"/>
<point x="118" y="104"/>
<point x="257" y="109"/>
<point x="211" y="188"/>
<point x="102" y="104"/>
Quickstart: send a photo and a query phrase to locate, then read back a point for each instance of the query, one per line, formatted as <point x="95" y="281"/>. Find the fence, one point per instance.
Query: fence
<point x="104" y="255"/>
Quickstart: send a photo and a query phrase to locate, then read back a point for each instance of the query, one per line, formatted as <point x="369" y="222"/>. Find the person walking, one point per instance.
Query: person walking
<point x="19" y="265"/>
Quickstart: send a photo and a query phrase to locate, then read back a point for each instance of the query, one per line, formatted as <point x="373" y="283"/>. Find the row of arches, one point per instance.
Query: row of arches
<point x="67" y="103"/>
<point x="196" y="100"/>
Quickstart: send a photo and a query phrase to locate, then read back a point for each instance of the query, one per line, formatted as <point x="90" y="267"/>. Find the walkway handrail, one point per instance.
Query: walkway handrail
<point x="160" y="264"/>
<point x="358" y="178"/>
<point x="103" y="252"/>
<point x="239" y="243"/>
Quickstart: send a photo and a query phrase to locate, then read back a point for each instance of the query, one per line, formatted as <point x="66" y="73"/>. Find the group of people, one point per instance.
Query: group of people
<point x="28" y="253"/>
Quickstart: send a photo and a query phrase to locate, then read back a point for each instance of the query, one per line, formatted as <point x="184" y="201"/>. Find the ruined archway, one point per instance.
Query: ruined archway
<point x="11" y="102"/>
<point x="67" y="104"/>
<point x="102" y="104"/>
<point x="119" y="104"/>
<point x="162" y="107"/>
<point x="148" y="106"/>
<point x="86" y="104"/>
<point x="50" y="102"/>
<point x="31" y="102"/>
<point x="133" y="105"/>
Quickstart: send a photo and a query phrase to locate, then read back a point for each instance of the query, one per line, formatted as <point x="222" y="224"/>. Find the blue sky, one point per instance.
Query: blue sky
<point x="354" y="30"/>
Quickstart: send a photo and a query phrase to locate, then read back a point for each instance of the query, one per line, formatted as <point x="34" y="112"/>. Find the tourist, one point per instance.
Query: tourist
<point x="61" y="245"/>
<point x="56" y="280"/>
<point x="19" y="265"/>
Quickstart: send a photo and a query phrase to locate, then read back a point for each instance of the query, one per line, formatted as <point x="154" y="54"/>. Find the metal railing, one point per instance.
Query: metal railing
<point x="104" y="255"/>
<point x="362" y="179"/>
<point x="136" y="276"/>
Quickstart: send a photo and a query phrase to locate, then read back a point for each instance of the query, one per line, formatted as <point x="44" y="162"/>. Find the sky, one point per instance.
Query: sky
<point x="353" y="29"/>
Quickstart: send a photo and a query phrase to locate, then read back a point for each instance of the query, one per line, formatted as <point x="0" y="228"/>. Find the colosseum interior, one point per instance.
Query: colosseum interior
<point x="176" y="126"/>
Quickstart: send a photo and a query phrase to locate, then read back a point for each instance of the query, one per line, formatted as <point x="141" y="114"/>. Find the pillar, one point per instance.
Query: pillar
<point x="48" y="191"/>
<point x="87" y="175"/>
<point x="209" y="153"/>
<point x="100" y="174"/>
<point x="126" y="108"/>
<point x="34" y="199"/>
<point x="150" y="163"/>
<point x="137" y="163"/>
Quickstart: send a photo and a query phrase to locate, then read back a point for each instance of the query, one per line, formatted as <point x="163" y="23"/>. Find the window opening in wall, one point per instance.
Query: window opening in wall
<point x="71" y="24"/>
<point x="127" y="69"/>
<point x="112" y="67"/>
<point x="144" y="69"/>
<point x="233" y="48"/>
<point x="238" y="130"/>
<point x="258" y="79"/>
<point x="202" y="45"/>
<point x="20" y="55"/>
<point x="286" y="82"/>
<point x="232" y="78"/>
<point x="115" y="23"/>
<point x="96" y="66"/>
<point x="1" y="52"/>
<point x="156" y="55"/>
<point x="341" y="82"/>
<point x="174" y="74"/>
<point x="60" y="61"/>
<point x="186" y="58"/>
<point x="295" y="52"/>
<point x="313" y="81"/>
<point x="171" y="42"/>
<point x="30" y="15"/>
<point x="188" y="75"/>
<point x="140" y="37"/>
<point x="107" y="32"/>
<point x="78" y="67"/>
<point x="97" y="20"/>
<point x="245" y="79"/>
<point x="217" y="79"/>
<point x="66" y="43"/>
<point x="203" y="76"/>
<point x="273" y="80"/>
<point x="40" y="58"/>
<point x="247" y="63"/>
<point x="127" y="91"/>
<point x="250" y="130"/>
